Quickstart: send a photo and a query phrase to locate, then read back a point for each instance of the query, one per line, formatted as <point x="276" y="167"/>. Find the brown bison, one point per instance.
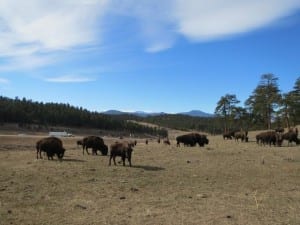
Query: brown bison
<point x="269" y="137"/>
<point x="228" y="135"/>
<point x="192" y="139"/>
<point x="291" y="136"/>
<point x="122" y="149"/>
<point x="94" y="142"/>
<point x="52" y="146"/>
<point x="243" y="135"/>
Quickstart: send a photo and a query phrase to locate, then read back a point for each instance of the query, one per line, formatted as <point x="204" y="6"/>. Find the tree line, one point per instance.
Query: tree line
<point x="267" y="107"/>
<point x="24" y="112"/>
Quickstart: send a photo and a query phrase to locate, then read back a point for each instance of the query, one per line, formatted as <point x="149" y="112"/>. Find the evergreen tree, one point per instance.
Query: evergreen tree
<point x="226" y="107"/>
<point x="290" y="110"/>
<point x="265" y="99"/>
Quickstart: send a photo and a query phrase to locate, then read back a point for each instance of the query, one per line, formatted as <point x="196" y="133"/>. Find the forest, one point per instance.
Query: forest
<point x="266" y="108"/>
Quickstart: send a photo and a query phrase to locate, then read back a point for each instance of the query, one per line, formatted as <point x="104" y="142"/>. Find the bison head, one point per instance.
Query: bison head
<point x="104" y="150"/>
<point x="61" y="153"/>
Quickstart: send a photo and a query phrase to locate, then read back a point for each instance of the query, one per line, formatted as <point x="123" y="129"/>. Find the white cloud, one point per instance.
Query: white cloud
<point x="32" y="30"/>
<point x="70" y="79"/>
<point x="202" y="20"/>
<point x="32" y="27"/>
<point x="50" y="25"/>
<point x="162" y="21"/>
<point x="154" y="21"/>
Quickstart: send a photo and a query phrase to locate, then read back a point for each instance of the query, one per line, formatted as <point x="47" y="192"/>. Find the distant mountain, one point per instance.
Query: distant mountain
<point x="136" y="113"/>
<point x="194" y="113"/>
<point x="114" y="112"/>
<point x="145" y="114"/>
<point x="197" y="113"/>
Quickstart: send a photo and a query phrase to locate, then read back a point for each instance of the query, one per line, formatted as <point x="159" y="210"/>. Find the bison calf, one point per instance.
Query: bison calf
<point x="120" y="149"/>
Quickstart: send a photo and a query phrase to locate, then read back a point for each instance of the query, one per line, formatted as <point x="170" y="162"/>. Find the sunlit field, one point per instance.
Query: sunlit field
<point x="225" y="182"/>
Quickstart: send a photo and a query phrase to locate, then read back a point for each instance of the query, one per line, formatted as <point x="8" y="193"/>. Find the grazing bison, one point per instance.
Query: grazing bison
<point x="228" y="135"/>
<point x="243" y="135"/>
<point x="291" y="136"/>
<point x="192" y="139"/>
<point x="269" y="137"/>
<point x="52" y="146"/>
<point x="96" y="143"/>
<point x="122" y="149"/>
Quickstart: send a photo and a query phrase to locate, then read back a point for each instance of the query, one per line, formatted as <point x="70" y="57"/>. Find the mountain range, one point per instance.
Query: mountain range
<point x="194" y="113"/>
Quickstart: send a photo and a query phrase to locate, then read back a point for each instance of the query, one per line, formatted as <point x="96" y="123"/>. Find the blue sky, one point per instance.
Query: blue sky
<point x="159" y="55"/>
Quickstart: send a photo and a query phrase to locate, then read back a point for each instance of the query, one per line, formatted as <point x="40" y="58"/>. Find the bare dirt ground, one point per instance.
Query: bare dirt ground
<point x="223" y="183"/>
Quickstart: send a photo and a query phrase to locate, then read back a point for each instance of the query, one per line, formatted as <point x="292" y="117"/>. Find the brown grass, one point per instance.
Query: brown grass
<point x="223" y="183"/>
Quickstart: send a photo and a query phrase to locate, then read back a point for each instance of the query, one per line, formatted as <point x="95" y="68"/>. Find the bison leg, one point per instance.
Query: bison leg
<point x="110" y="160"/>
<point x="114" y="158"/>
<point x="94" y="151"/>
<point x="129" y="160"/>
<point x="123" y="159"/>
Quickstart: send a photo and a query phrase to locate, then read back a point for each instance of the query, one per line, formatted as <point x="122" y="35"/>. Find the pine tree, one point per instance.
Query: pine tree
<point x="265" y="99"/>
<point x="226" y="108"/>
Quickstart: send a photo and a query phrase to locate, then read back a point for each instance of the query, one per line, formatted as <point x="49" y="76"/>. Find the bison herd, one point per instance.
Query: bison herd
<point x="276" y="137"/>
<point x="53" y="146"/>
<point x="272" y="137"/>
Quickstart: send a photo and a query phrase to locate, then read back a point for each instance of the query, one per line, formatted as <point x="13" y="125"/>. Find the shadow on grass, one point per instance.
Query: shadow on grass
<point x="148" y="168"/>
<point x="73" y="160"/>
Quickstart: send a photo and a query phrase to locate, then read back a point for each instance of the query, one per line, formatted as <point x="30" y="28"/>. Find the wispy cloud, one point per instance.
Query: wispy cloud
<point x="37" y="27"/>
<point x="202" y="20"/>
<point x="70" y="79"/>
<point x="32" y="30"/>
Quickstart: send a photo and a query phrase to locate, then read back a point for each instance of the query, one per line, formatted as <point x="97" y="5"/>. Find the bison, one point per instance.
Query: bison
<point x="122" y="149"/>
<point x="94" y="142"/>
<point x="291" y="136"/>
<point x="228" y="135"/>
<point x="269" y="137"/>
<point x="52" y="146"/>
<point x="192" y="139"/>
<point x="243" y="135"/>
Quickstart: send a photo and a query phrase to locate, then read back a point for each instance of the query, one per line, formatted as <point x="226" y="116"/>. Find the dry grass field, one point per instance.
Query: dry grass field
<point x="222" y="183"/>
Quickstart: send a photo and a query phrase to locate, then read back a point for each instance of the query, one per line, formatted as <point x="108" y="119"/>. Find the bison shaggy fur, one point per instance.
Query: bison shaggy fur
<point x="122" y="149"/>
<point x="291" y="136"/>
<point x="192" y="139"/>
<point x="96" y="143"/>
<point x="52" y="146"/>
<point x="243" y="135"/>
<point x="269" y="137"/>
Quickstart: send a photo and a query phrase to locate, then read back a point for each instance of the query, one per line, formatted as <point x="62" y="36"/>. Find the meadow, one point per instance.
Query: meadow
<point x="224" y="182"/>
